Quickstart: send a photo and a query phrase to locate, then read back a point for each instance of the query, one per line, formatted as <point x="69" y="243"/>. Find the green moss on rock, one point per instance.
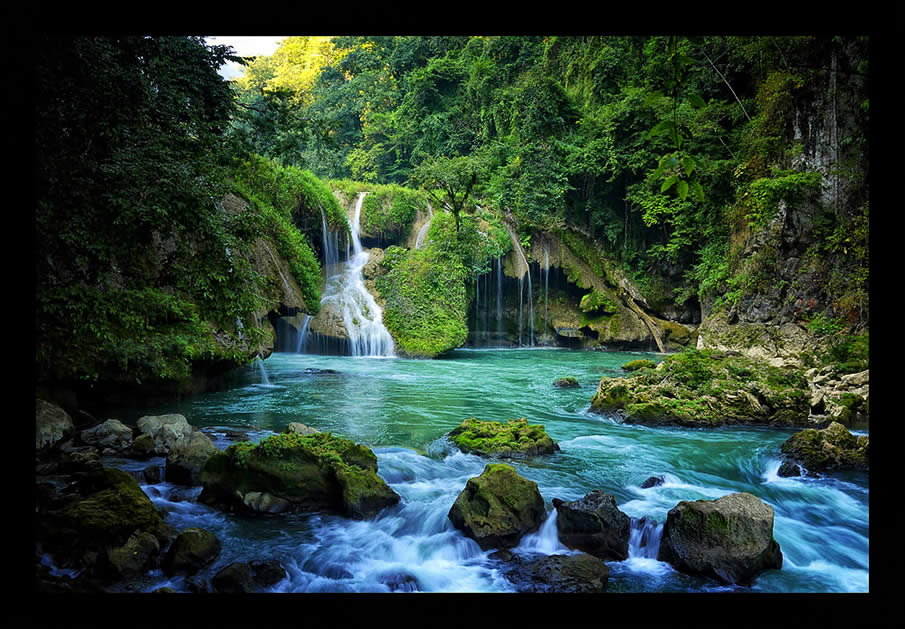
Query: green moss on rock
<point x="832" y="448"/>
<point x="706" y="388"/>
<point x="641" y="363"/>
<point x="515" y="438"/>
<point x="498" y="507"/>
<point x="297" y="473"/>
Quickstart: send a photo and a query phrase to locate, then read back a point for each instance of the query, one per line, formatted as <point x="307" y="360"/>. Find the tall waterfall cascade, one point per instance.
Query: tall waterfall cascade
<point x="345" y="293"/>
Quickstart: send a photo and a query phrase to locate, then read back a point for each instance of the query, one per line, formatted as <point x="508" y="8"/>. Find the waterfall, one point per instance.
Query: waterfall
<point x="477" y="310"/>
<point x="644" y="538"/>
<point x="301" y="335"/>
<point x="522" y="272"/>
<point x="546" y="281"/>
<point x="347" y="294"/>
<point x="331" y="248"/>
<point x="499" y="299"/>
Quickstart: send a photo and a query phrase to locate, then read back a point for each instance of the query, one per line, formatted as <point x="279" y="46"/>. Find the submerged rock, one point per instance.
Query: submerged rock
<point x="594" y="525"/>
<point x="729" y="539"/>
<point x="789" y="469"/>
<point x="246" y="577"/>
<point x="515" y="438"/>
<point x="291" y="472"/>
<point x="578" y="574"/>
<point x="829" y="449"/>
<point x="498" y="507"/>
<point x="653" y="481"/>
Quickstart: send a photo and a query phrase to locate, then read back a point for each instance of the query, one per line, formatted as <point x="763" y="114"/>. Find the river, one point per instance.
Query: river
<point x="402" y="409"/>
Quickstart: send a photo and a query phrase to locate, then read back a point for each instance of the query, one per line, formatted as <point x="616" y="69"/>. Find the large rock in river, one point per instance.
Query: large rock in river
<point x="110" y="436"/>
<point x="105" y="522"/>
<point x="166" y="430"/>
<point x="594" y="525"/>
<point x="829" y="449"/>
<point x="52" y="425"/>
<point x="729" y="539"/>
<point x="516" y="438"/>
<point x="186" y="458"/>
<point x="498" y="507"/>
<point x="291" y="472"/>
<point x="193" y="549"/>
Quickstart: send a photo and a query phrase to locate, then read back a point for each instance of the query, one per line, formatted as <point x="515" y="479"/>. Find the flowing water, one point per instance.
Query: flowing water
<point x="345" y="293"/>
<point x="402" y="409"/>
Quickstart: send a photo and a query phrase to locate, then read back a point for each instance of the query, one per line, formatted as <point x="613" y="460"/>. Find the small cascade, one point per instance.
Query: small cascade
<point x="331" y="248"/>
<point x="546" y="271"/>
<point x="419" y="241"/>
<point x="301" y="335"/>
<point x="499" y="298"/>
<point x="644" y="538"/>
<point x="347" y="295"/>
<point x="546" y="540"/>
<point x="259" y="363"/>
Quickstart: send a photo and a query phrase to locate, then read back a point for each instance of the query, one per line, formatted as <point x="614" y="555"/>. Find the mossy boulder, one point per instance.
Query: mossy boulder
<point x="291" y="472"/>
<point x="193" y="549"/>
<point x="594" y="525"/>
<point x="135" y="557"/>
<point x="832" y="448"/>
<point x="703" y="388"/>
<point x="498" y="507"/>
<point x="566" y="383"/>
<point x="103" y="523"/>
<point x="111" y="510"/>
<point x="729" y="539"/>
<point x="516" y="438"/>
<point x="641" y="363"/>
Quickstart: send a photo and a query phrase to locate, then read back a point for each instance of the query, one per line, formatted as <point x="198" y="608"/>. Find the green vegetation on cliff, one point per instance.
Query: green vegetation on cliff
<point x="425" y="298"/>
<point x="137" y="262"/>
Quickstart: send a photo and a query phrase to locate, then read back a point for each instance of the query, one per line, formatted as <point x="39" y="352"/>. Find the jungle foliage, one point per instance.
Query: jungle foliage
<point x="656" y="147"/>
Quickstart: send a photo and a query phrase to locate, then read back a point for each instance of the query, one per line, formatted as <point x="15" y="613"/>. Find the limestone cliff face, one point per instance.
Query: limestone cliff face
<point x="283" y="295"/>
<point x="811" y="257"/>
